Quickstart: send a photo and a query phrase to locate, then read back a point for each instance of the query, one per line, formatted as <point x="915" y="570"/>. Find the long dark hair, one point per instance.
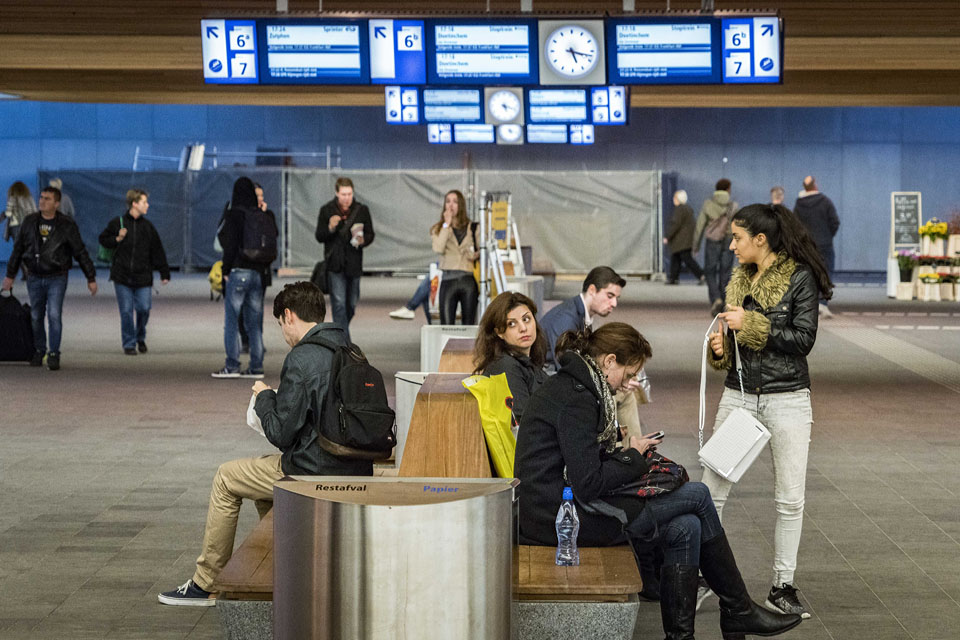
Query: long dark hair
<point x="618" y="338"/>
<point x="460" y="220"/>
<point x="489" y="346"/>
<point x="786" y="233"/>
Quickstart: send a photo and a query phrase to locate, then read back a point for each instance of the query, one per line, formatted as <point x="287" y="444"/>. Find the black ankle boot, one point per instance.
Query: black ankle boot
<point x="678" y="600"/>
<point x="739" y="615"/>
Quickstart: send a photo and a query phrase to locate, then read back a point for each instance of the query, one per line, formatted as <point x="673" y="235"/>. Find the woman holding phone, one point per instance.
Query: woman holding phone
<point x="772" y="304"/>
<point x="454" y="239"/>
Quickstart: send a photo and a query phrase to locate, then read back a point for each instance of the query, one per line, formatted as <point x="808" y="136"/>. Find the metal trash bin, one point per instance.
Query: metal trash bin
<point x="393" y="558"/>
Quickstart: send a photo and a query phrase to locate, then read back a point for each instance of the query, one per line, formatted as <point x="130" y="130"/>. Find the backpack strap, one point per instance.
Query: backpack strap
<point x="349" y="452"/>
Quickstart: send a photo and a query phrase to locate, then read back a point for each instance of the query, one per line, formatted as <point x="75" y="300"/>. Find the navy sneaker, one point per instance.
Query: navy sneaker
<point x="250" y="373"/>
<point x="187" y="595"/>
<point x="225" y="373"/>
<point x="783" y="599"/>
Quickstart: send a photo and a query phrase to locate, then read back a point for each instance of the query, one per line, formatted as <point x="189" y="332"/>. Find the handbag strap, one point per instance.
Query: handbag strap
<point x="703" y="375"/>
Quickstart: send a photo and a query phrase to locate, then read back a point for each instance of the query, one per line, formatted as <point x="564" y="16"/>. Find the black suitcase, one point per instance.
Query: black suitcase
<point x="16" y="330"/>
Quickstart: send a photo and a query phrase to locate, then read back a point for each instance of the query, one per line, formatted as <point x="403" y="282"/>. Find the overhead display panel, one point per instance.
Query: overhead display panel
<point x="545" y="106"/>
<point x="547" y="133"/>
<point x="397" y="52"/>
<point x="610" y="105"/>
<point x="661" y="51"/>
<point x="581" y="134"/>
<point x="402" y="104"/>
<point x="440" y="133"/>
<point x="313" y="52"/>
<point x="752" y="51"/>
<point x="229" y="51"/>
<point x="476" y="52"/>
<point x="452" y="105"/>
<point x="474" y="133"/>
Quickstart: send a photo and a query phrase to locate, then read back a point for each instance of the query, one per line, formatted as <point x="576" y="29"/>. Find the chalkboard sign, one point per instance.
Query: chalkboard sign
<point x="905" y="219"/>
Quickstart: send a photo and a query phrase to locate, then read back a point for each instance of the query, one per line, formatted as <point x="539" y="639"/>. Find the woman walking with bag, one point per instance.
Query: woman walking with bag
<point x="453" y="239"/>
<point x="772" y="304"/>
<point x="568" y="437"/>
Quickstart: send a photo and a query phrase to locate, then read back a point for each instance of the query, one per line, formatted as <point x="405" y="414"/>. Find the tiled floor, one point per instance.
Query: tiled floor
<point x="105" y="466"/>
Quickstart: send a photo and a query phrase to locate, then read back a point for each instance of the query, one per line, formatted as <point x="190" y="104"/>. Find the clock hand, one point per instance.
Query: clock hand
<point x="585" y="55"/>
<point x="573" y="53"/>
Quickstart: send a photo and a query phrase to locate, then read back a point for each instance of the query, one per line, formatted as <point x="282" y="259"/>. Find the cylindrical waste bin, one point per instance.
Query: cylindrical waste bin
<point x="393" y="558"/>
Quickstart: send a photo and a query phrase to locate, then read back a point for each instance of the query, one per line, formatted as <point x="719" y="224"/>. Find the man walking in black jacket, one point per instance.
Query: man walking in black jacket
<point x="137" y="252"/>
<point x="819" y="216"/>
<point x="345" y="228"/>
<point x="290" y="417"/>
<point x="48" y="244"/>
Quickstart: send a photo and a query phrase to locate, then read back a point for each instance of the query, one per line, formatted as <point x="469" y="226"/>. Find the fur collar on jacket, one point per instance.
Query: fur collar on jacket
<point x="769" y="288"/>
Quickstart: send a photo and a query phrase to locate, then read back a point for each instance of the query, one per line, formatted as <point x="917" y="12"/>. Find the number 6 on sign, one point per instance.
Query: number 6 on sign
<point x="410" y="39"/>
<point x="241" y="38"/>
<point x="737" y="37"/>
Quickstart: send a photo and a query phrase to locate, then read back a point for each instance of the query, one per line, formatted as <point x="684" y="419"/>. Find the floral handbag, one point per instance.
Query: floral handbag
<point x="664" y="476"/>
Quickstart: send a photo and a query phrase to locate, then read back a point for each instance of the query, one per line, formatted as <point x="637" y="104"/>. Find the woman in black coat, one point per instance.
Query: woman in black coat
<point x="510" y="341"/>
<point x="568" y="437"/>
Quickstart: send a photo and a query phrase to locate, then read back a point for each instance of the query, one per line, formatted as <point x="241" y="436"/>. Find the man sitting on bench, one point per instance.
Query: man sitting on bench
<point x="290" y="417"/>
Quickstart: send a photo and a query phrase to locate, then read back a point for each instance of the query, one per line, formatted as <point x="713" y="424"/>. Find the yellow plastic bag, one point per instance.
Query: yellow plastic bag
<point x="216" y="277"/>
<point x="495" y="399"/>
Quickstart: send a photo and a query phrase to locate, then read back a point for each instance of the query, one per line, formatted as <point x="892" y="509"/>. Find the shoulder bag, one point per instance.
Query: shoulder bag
<point x="737" y="442"/>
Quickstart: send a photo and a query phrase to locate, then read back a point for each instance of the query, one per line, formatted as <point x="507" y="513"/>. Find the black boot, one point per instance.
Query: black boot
<point x="678" y="600"/>
<point x="739" y="615"/>
<point x="649" y="558"/>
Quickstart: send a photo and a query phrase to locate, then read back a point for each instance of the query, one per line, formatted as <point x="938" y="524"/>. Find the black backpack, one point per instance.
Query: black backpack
<point x="356" y="422"/>
<point x="259" y="242"/>
<point x="16" y="329"/>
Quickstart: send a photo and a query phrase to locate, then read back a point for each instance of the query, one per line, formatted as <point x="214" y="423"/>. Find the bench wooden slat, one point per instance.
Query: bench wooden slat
<point x="603" y="571"/>
<point x="249" y="573"/>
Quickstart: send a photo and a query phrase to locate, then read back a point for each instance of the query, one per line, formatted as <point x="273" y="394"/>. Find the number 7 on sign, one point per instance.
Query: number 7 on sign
<point x="410" y="39"/>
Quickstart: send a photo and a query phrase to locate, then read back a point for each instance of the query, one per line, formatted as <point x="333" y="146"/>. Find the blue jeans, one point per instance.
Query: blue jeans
<point x="344" y="295"/>
<point x="717" y="265"/>
<point x="130" y="300"/>
<point x="46" y="299"/>
<point x="421" y="298"/>
<point x="243" y="289"/>
<point x="680" y="521"/>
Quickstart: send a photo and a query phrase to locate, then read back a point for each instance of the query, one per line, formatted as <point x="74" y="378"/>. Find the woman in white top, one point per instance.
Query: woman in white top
<point x="454" y="238"/>
<point x="20" y="204"/>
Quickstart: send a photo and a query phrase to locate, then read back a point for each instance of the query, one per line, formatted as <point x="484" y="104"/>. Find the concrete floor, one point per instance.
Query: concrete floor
<point x="106" y="465"/>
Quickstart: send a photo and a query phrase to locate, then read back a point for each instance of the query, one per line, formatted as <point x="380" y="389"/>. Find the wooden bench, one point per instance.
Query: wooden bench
<point x="457" y="356"/>
<point x="597" y="599"/>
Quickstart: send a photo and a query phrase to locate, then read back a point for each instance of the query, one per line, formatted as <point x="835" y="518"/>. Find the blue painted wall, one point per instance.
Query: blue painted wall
<point x="859" y="155"/>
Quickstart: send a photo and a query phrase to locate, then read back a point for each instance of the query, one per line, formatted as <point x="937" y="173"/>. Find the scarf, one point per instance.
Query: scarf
<point x="608" y="406"/>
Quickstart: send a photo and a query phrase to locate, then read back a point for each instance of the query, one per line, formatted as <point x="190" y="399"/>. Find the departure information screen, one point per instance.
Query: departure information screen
<point x="313" y="52"/>
<point x="751" y="50"/>
<point x="658" y="52"/>
<point x="452" y="105"/>
<point x="557" y="105"/>
<point x="477" y="53"/>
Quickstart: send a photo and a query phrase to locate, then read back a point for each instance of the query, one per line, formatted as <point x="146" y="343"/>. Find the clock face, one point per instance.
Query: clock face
<point x="510" y="132"/>
<point x="504" y="106"/>
<point x="572" y="51"/>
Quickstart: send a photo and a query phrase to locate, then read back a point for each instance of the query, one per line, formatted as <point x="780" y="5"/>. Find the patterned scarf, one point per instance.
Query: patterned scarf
<point x="607" y="437"/>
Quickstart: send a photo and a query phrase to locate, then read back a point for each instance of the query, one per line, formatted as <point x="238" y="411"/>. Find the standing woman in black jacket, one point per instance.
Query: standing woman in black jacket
<point x="568" y="437"/>
<point x="137" y="252"/>
<point x="772" y="302"/>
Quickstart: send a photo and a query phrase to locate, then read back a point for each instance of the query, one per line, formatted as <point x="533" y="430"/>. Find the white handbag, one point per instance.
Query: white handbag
<point x="737" y="442"/>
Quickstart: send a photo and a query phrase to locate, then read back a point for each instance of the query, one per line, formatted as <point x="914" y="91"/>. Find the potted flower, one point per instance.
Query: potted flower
<point x="928" y="288"/>
<point x="906" y="261"/>
<point x="947" y="286"/>
<point x="932" y="235"/>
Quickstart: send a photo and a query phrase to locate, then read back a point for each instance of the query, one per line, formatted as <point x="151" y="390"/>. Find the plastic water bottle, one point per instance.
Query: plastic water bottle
<point x="568" y="526"/>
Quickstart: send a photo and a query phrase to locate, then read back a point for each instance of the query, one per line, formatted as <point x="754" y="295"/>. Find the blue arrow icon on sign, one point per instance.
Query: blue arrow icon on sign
<point x="766" y="30"/>
<point x="379" y="32"/>
<point x="212" y="32"/>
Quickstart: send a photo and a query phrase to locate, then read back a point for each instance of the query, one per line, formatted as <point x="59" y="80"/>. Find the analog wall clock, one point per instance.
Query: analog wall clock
<point x="504" y="105"/>
<point x="571" y="51"/>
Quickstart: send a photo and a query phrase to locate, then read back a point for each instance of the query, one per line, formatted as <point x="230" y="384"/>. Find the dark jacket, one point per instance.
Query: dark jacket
<point x="819" y="216"/>
<point x="569" y="315"/>
<point x="338" y="253"/>
<point x="56" y="255"/>
<point x="138" y="254"/>
<point x="290" y="415"/>
<point x="523" y="377"/>
<point x="679" y="233"/>
<point x="779" y="328"/>
<point x="243" y="203"/>
<point x="559" y="428"/>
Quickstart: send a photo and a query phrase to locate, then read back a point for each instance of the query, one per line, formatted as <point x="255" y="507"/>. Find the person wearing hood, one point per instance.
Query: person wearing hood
<point x="819" y="216"/>
<point x="713" y="225"/>
<point x="137" y="251"/>
<point x="249" y="239"/>
<point x="290" y="417"/>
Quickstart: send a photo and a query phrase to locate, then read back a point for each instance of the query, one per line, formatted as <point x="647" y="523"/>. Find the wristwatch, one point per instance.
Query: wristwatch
<point x="446" y="224"/>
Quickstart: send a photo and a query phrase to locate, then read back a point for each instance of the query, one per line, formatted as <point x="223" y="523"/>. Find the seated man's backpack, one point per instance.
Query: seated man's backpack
<point x="356" y="422"/>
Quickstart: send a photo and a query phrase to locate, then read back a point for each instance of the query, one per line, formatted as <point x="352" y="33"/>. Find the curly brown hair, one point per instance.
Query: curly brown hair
<point x="489" y="345"/>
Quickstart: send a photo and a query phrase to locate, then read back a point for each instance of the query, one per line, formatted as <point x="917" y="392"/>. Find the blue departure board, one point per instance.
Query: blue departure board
<point x="440" y="133"/>
<point x="452" y="105"/>
<point x="547" y="133"/>
<point x="474" y="133"/>
<point x="229" y="51"/>
<point x="545" y="106"/>
<point x="313" y="52"/>
<point x="610" y="105"/>
<point x="662" y="51"/>
<point x="751" y="50"/>
<point x="469" y="52"/>
<point x="397" y="52"/>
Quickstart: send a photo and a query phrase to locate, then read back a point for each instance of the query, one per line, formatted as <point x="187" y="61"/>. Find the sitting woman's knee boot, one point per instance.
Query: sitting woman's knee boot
<point x="678" y="600"/>
<point x="739" y="615"/>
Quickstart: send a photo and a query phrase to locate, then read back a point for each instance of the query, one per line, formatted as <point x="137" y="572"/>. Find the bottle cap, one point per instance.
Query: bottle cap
<point x="567" y="493"/>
